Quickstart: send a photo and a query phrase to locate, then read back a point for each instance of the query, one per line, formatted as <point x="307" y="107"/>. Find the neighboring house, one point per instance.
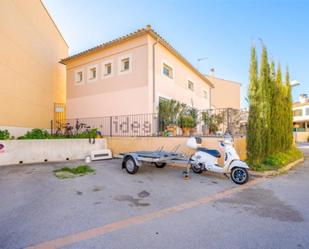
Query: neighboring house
<point x="130" y="75"/>
<point x="225" y="94"/>
<point x="301" y="113"/>
<point x="31" y="79"/>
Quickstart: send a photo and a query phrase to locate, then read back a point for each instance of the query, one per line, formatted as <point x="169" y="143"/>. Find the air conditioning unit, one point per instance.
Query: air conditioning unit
<point x="101" y="154"/>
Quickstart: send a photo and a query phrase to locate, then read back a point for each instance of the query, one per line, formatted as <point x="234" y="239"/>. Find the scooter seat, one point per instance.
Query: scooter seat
<point x="214" y="153"/>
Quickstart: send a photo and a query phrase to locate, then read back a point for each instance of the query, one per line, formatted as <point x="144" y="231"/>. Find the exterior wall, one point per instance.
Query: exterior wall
<point x="226" y="94"/>
<point x="116" y="95"/>
<point x="31" y="79"/>
<point x="177" y="88"/>
<point x="127" y="144"/>
<point x="39" y="150"/>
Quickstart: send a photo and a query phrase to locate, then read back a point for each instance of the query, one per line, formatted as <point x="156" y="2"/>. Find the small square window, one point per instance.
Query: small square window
<point x="93" y="73"/>
<point x="191" y="85"/>
<point x="107" y="69"/>
<point x="125" y="64"/>
<point x="79" y="77"/>
<point x="167" y="71"/>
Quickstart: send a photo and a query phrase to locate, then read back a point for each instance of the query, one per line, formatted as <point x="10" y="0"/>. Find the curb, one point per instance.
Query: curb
<point x="277" y="172"/>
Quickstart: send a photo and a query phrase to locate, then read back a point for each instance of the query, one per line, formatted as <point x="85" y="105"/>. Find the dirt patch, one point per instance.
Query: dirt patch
<point x="143" y="194"/>
<point x="97" y="188"/>
<point x="133" y="202"/>
<point x="263" y="203"/>
<point x="79" y="193"/>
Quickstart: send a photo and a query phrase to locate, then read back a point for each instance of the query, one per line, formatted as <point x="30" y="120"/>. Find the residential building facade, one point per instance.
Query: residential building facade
<point x="225" y="94"/>
<point x="301" y="113"/>
<point x="130" y="75"/>
<point x="31" y="79"/>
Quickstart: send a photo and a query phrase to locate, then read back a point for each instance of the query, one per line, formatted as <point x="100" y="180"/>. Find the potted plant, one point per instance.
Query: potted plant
<point x="186" y="123"/>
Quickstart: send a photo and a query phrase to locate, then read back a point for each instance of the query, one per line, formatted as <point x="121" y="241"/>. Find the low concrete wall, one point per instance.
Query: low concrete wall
<point x="39" y="150"/>
<point x="301" y="136"/>
<point x="126" y="144"/>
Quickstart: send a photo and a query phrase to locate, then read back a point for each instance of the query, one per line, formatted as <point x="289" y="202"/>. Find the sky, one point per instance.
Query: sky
<point x="221" y="31"/>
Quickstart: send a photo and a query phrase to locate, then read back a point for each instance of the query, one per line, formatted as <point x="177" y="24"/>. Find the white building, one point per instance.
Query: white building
<point x="301" y="113"/>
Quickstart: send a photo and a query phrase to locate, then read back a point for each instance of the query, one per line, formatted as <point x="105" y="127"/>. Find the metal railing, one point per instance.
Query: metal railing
<point x="211" y="122"/>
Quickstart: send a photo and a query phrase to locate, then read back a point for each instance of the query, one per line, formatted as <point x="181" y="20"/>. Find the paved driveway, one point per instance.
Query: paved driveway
<point x="155" y="208"/>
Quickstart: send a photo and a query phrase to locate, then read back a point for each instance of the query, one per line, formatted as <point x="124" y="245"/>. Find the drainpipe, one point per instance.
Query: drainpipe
<point x="154" y="74"/>
<point x="210" y="97"/>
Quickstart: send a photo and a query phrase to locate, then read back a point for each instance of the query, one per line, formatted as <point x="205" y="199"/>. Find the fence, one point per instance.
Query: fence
<point x="211" y="122"/>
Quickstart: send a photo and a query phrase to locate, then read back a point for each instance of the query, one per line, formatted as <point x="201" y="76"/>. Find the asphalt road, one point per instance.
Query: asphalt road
<point x="156" y="209"/>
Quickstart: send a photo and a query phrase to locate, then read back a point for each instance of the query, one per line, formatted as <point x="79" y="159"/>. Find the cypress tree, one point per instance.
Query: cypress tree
<point x="273" y="109"/>
<point x="265" y="102"/>
<point x="279" y="112"/>
<point x="289" y="112"/>
<point x="254" y="131"/>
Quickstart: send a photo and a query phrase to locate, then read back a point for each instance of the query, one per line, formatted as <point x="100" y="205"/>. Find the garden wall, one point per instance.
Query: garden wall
<point x="301" y="136"/>
<point x="126" y="144"/>
<point x="39" y="150"/>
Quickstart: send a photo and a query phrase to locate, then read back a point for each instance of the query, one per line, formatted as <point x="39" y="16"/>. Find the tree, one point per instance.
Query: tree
<point x="254" y="132"/>
<point x="265" y="102"/>
<point x="273" y="109"/>
<point x="279" y="113"/>
<point x="289" y="113"/>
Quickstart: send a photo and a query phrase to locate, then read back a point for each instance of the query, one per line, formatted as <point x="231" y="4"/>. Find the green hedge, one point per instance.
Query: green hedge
<point x="43" y="134"/>
<point x="278" y="160"/>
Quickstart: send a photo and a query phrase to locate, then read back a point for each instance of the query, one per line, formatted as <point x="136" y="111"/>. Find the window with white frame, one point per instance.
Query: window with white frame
<point x="190" y="85"/>
<point x="79" y="77"/>
<point x="125" y="64"/>
<point x="107" y="69"/>
<point x="205" y="94"/>
<point x="168" y="71"/>
<point x="298" y="113"/>
<point x="92" y="72"/>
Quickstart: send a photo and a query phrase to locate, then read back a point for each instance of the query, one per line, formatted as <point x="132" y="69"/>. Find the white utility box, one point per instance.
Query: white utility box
<point x="101" y="154"/>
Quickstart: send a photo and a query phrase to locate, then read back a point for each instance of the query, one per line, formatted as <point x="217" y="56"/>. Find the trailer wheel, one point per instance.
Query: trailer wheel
<point x="160" y="165"/>
<point x="130" y="165"/>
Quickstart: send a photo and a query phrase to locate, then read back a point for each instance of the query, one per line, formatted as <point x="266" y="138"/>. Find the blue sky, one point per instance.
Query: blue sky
<point x="221" y="30"/>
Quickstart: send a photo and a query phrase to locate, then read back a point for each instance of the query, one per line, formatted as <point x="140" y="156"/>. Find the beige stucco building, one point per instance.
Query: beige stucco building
<point x="31" y="79"/>
<point x="225" y="94"/>
<point x="129" y="75"/>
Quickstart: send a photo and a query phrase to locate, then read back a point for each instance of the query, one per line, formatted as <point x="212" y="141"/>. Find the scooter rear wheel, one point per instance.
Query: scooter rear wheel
<point x="239" y="175"/>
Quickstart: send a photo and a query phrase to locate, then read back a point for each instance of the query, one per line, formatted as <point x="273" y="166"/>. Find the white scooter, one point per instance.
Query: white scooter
<point x="207" y="160"/>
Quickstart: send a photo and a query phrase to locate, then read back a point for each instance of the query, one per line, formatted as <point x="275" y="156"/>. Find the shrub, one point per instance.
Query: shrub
<point x="278" y="160"/>
<point x="4" y="135"/>
<point x="67" y="172"/>
<point x="86" y="134"/>
<point x="36" y="134"/>
<point x="186" y="121"/>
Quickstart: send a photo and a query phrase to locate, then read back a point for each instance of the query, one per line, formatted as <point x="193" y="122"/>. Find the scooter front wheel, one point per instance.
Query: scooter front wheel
<point x="239" y="175"/>
<point x="197" y="168"/>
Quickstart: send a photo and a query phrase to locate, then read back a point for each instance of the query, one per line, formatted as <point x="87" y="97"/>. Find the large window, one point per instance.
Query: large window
<point x="205" y="94"/>
<point x="307" y="111"/>
<point x="168" y="71"/>
<point x="298" y="113"/>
